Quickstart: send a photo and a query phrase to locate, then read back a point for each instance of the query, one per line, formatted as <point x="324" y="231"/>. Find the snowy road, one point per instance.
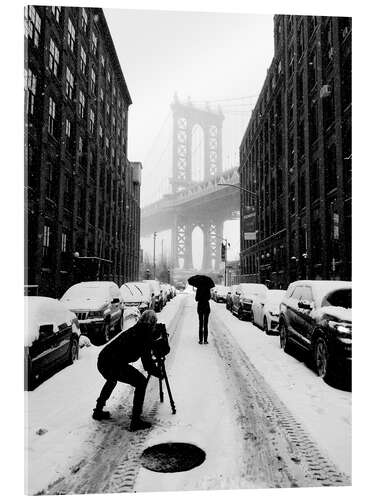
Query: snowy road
<point x="263" y="418"/>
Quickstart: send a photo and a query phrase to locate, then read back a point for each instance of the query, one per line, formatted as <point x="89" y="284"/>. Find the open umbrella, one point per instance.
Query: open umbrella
<point x="201" y="281"/>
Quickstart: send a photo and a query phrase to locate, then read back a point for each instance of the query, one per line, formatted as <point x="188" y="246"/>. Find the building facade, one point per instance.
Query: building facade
<point x="295" y="156"/>
<point x="82" y="193"/>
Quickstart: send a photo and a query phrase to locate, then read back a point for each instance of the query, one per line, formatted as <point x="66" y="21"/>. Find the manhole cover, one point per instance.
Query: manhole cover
<point x="172" y="457"/>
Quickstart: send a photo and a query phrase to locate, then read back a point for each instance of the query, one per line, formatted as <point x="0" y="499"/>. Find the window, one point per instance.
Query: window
<point x="68" y="190"/>
<point x="313" y="121"/>
<point x="68" y="128"/>
<point x="84" y="20"/>
<point x="54" y="57"/>
<point x="101" y="94"/>
<point x="64" y="238"/>
<point x="56" y="11"/>
<point x="71" y="35"/>
<point x="33" y="25"/>
<point x="30" y="92"/>
<point x="69" y="83"/>
<point x="49" y="181"/>
<point x="46" y="239"/>
<point x="108" y="77"/>
<point x="80" y="145"/>
<point x="102" y="60"/>
<point x="83" y="60"/>
<point x="81" y="104"/>
<point x="313" y="71"/>
<point x="92" y="121"/>
<point x="94" y="43"/>
<point x="52" y="117"/>
<point x="93" y="81"/>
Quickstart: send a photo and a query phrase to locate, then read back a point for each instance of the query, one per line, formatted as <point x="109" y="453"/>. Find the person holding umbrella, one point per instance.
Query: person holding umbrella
<point x="203" y="284"/>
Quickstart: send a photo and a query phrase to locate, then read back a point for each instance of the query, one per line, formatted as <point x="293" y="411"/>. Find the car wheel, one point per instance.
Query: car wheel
<point x="321" y="358"/>
<point x="265" y="325"/>
<point x="240" y="313"/>
<point x="284" y="338"/>
<point x="73" y="351"/>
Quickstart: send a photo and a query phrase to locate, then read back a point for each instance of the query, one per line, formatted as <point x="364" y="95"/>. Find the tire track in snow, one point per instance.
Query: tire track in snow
<point x="111" y="464"/>
<point x="276" y="448"/>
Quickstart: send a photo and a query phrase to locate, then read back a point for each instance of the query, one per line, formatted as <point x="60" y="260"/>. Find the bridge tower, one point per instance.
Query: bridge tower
<point x="185" y="117"/>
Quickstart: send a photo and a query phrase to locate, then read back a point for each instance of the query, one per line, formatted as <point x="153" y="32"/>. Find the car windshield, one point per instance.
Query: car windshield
<point x="254" y="289"/>
<point x="339" y="298"/>
<point x="82" y="292"/>
<point x="275" y="296"/>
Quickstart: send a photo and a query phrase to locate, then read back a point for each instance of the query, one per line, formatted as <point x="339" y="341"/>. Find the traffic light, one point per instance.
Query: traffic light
<point x="223" y="252"/>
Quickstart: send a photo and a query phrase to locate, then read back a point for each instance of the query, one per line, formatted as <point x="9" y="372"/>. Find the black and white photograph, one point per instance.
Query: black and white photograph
<point x="187" y="267"/>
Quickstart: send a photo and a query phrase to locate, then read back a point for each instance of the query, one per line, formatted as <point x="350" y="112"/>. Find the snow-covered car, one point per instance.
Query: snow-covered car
<point x="132" y="296"/>
<point x="51" y="337"/>
<point x="220" y="293"/>
<point x="156" y="294"/>
<point x="316" y="316"/>
<point x="145" y="290"/>
<point x="228" y="298"/>
<point x="266" y="310"/>
<point x="243" y="296"/>
<point x="98" y="306"/>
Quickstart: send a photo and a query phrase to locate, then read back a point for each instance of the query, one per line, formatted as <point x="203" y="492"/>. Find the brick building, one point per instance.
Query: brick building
<point x="295" y="156"/>
<point x="82" y="193"/>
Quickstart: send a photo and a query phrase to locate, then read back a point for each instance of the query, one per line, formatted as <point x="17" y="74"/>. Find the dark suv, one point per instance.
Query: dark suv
<point x="98" y="306"/>
<point x="317" y="317"/>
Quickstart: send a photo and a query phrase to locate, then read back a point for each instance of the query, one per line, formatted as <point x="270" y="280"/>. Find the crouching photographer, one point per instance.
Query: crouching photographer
<point x="146" y="340"/>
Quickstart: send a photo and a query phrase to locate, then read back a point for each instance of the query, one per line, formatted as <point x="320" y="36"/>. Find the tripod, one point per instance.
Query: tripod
<point x="161" y="364"/>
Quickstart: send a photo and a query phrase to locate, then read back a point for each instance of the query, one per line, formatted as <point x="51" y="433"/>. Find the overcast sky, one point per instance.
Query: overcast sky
<point x="204" y="56"/>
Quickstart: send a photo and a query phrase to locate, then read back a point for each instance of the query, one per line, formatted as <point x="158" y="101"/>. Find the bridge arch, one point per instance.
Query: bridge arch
<point x="186" y="117"/>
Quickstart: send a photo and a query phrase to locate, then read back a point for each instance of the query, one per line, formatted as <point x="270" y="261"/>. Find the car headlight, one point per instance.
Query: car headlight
<point x="95" y="314"/>
<point x="343" y="329"/>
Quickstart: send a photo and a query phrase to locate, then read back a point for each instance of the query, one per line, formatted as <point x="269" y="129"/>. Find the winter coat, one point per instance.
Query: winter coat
<point x="203" y="296"/>
<point x="129" y="346"/>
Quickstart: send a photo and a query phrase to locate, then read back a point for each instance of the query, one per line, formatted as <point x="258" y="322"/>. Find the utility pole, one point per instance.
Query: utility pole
<point x="162" y="244"/>
<point x="154" y="255"/>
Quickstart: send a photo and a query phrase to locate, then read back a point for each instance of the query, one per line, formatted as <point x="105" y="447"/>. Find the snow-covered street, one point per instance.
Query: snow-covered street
<point x="263" y="418"/>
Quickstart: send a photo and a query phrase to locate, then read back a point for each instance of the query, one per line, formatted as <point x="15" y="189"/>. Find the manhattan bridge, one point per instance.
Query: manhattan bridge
<point x="193" y="197"/>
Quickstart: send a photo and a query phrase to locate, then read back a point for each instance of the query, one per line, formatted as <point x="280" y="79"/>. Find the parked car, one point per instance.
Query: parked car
<point x="98" y="305"/>
<point x="156" y="294"/>
<point x="131" y="316"/>
<point x="51" y="337"/>
<point x="220" y="293"/>
<point x="228" y="299"/>
<point x="165" y="293"/>
<point x="132" y="296"/>
<point x="145" y="290"/>
<point x="266" y="310"/>
<point x="243" y="296"/>
<point x="316" y="316"/>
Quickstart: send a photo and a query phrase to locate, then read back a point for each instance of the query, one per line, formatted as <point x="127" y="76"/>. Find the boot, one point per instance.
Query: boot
<point x="137" y="424"/>
<point x="99" y="414"/>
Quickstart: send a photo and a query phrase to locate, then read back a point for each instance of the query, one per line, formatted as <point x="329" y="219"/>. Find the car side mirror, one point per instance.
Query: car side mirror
<point x="305" y="304"/>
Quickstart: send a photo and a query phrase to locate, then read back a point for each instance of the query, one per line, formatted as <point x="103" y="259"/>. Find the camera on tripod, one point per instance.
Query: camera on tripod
<point x="160" y="344"/>
<point x="160" y="348"/>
